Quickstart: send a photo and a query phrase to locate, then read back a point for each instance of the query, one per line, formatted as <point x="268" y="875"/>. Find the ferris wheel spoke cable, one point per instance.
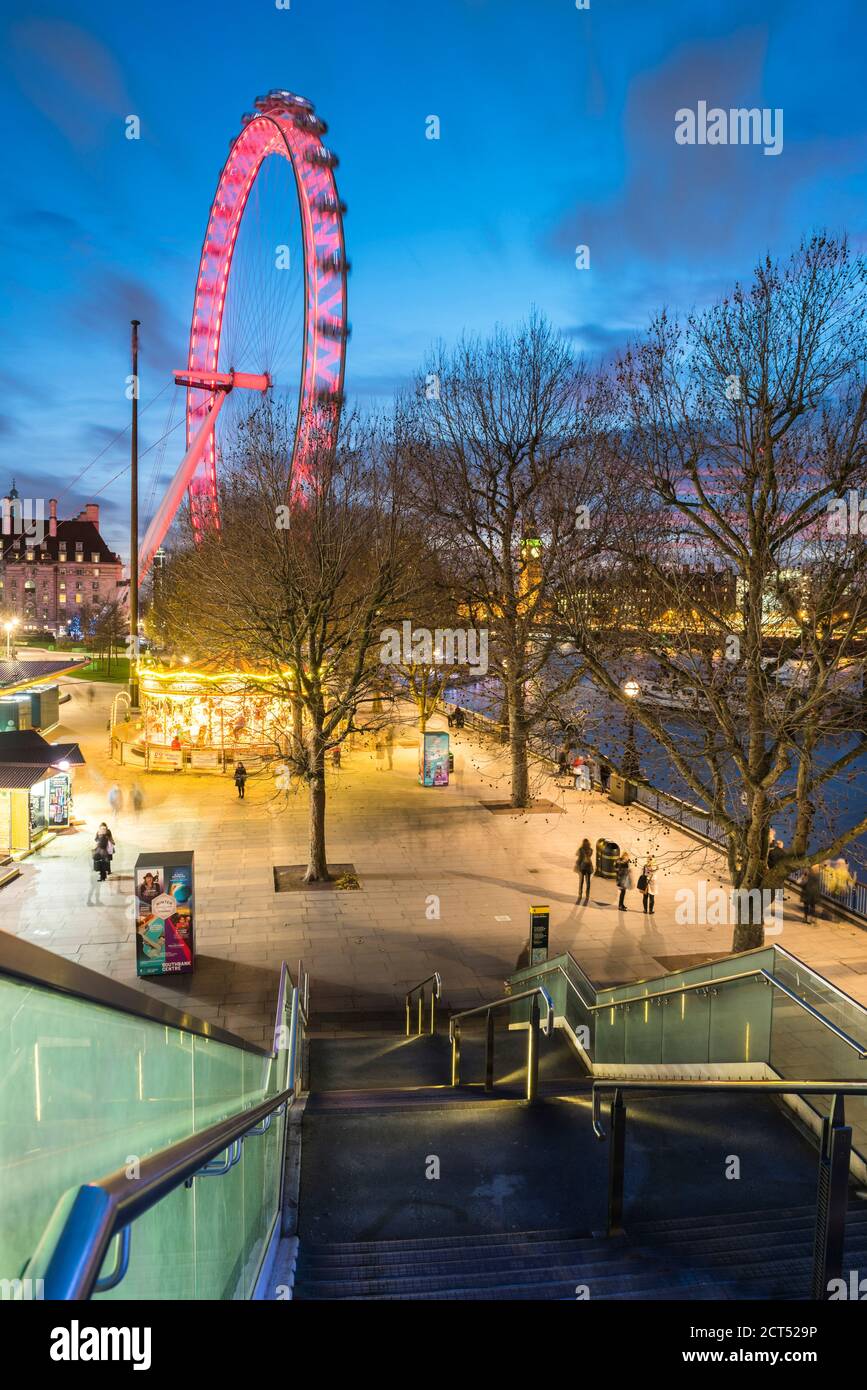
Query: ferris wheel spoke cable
<point x="111" y="442"/>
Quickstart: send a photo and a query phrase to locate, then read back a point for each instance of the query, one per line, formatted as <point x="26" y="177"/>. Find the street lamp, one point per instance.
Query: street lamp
<point x="631" y="768"/>
<point x="7" y="628"/>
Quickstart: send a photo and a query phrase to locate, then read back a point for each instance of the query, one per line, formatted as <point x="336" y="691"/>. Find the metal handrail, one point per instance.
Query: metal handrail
<point x="545" y="966"/>
<point x="532" y="1036"/>
<point x="435" y="994"/>
<point x="91" y="1216"/>
<point x="832" y="1189"/>
<point x="728" y="979"/>
<point x="781" y="1088"/>
<point x="509" y="999"/>
<point x="86" y="1219"/>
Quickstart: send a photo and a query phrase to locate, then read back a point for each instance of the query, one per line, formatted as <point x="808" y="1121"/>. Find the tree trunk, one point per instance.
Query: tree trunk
<point x="747" y="932"/>
<point x="518" y="744"/>
<point x="297" y="730"/>
<point x="317" y="864"/>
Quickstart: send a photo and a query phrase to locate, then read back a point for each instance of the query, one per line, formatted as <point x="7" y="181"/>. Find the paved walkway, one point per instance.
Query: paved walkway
<point x="417" y="851"/>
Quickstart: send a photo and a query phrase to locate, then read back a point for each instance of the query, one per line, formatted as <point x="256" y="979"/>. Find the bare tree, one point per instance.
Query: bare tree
<point x="731" y="595"/>
<point x="503" y="452"/>
<point x="299" y="580"/>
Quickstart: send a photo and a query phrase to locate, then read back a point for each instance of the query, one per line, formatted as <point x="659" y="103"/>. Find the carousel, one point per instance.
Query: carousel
<point x="201" y="719"/>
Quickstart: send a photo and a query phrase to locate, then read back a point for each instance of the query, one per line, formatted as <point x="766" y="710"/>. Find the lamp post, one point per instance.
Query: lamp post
<point x="133" y="527"/>
<point x="631" y="767"/>
<point x="8" y="629"/>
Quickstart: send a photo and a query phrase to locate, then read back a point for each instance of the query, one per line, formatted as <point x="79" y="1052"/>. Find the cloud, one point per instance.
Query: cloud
<point x="68" y="76"/>
<point x="682" y="210"/>
<point x="110" y="300"/>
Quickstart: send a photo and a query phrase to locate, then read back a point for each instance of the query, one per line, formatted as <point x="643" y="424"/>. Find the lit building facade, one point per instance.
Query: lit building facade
<point x="45" y="584"/>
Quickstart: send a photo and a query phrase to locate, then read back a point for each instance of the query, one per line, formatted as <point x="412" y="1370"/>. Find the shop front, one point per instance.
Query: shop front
<point x="35" y="795"/>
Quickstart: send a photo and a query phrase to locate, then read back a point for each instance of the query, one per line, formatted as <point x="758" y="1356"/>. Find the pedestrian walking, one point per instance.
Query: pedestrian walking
<point x="604" y="776"/>
<point x="91" y="693"/>
<point x="115" y="799"/>
<point x="458" y="717"/>
<point x="136" y="796"/>
<point x="584" y="870"/>
<point x="623" y="878"/>
<point x="811" y="892"/>
<point x="389" y="745"/>
<point x="647" y="885"/>
<point x="839" y="878"/>
<point x="581" y="773"/>
<point x="240" y="779"/>
<point x="103" y="851"/>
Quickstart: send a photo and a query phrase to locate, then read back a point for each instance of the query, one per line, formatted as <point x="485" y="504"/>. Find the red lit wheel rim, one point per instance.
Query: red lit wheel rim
<point x="284" y="128"/>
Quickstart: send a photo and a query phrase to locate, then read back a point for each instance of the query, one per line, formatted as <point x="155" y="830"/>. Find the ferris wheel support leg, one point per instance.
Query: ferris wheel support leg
<point x="164" y="516"/>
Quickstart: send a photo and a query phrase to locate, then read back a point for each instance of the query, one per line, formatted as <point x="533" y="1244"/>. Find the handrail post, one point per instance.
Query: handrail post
<point x="456" y="1055"/>
<point x="616" y="1165"/>
<point x="831" y="1199"/>
<point x="533" y="1050"/>
<point x="489" y="1051"/>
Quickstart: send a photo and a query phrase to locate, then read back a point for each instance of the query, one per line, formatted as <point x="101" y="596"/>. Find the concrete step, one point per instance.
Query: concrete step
<point x="439" y="1097"/>
<point x="642" y="1274"/>
<point x="391" y="1061"/>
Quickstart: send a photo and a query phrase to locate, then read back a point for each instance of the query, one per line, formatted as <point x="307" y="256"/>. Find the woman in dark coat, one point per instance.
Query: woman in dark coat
<point x="103" y="849"/>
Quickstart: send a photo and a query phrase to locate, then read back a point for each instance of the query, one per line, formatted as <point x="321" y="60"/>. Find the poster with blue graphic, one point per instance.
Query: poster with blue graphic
<point x="165" y="943"/>
<point x="434" y="769"/>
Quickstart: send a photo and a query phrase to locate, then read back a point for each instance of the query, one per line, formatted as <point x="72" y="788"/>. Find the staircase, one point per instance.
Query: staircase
<point x="412" y="1189"/>
<point x="758" y="1255"/>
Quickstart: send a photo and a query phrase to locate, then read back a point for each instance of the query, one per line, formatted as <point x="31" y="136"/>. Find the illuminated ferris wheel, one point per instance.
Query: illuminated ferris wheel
<point x="269" y="313"/>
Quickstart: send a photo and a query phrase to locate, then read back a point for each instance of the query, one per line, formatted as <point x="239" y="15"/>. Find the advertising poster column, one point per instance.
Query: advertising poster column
<point x="165" y="914"/>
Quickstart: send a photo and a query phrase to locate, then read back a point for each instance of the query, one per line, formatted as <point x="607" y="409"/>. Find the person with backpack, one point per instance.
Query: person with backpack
<point x="240" y="779"/>
<point x="584" y="869"/>
<point x="647" y="885"/>
<point x="623" y="878"/>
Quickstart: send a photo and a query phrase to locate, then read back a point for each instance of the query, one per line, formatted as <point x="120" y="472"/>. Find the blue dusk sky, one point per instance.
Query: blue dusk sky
<point x="556" y="129"/>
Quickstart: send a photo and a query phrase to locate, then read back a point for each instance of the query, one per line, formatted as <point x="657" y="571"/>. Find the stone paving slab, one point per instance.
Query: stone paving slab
<point x="415" y="849"/>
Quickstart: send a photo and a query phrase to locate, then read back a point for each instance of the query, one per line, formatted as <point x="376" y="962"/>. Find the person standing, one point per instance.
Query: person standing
<point x="647" y="885"/>
<point x="811" y="892"/>
<point x="240" y="779"/>
<point x="584" y="869"/>
<point x="623" y="878"/>
<point x="103" y="850"/>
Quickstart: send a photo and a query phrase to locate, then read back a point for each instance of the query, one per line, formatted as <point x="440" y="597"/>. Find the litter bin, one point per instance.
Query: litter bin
<point x="606" y="858"/>
<point x="621" y="790"/>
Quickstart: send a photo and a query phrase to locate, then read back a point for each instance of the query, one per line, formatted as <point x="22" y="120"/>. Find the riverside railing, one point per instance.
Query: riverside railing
<point x="851" y="898"/>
